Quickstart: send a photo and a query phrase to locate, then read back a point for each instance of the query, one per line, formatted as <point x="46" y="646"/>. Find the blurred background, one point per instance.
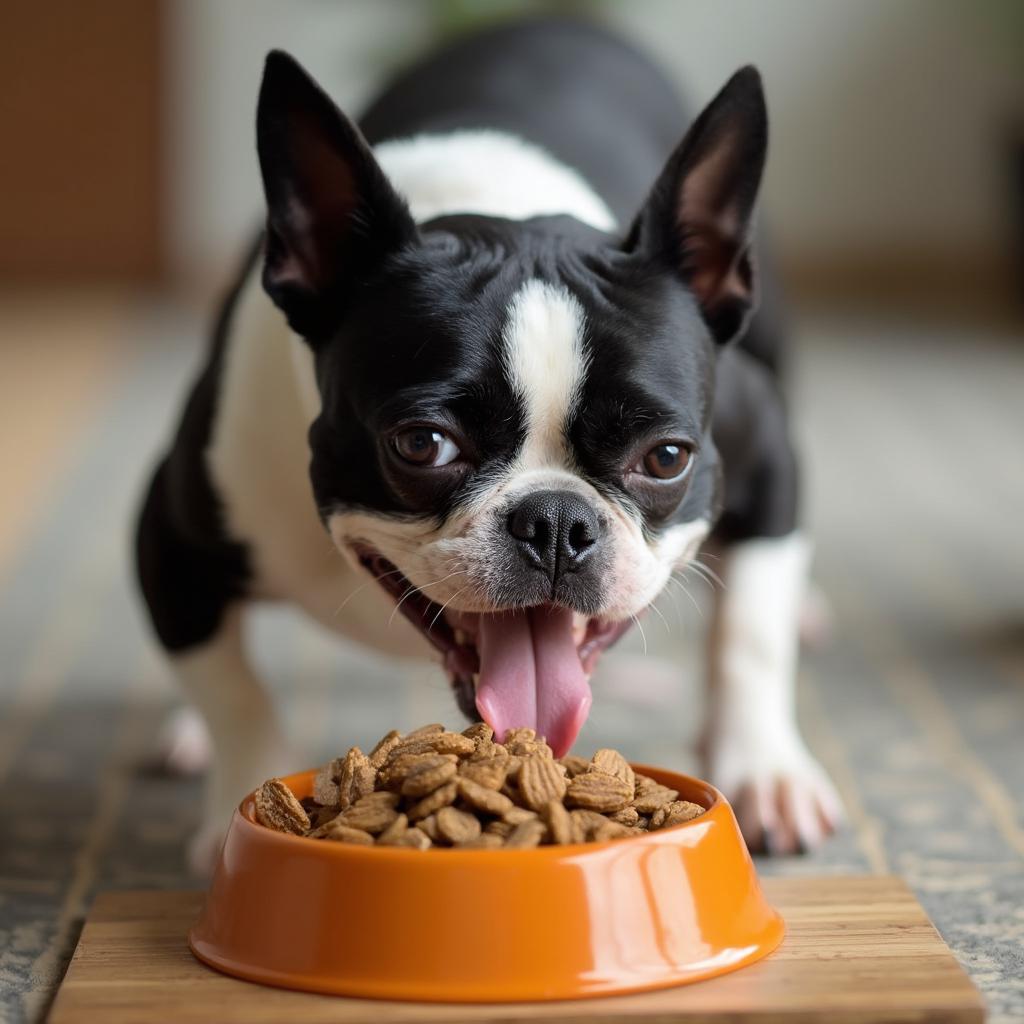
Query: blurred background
<point x="894" y="198"/>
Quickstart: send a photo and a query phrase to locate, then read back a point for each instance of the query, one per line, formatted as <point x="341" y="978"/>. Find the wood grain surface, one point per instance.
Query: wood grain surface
<point x="859" y="950"/>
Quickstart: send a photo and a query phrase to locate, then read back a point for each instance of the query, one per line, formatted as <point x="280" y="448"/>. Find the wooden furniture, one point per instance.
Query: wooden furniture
<point x="858" y="950"/>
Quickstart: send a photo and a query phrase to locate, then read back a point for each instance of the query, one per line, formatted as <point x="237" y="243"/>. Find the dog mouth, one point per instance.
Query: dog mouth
<point x="515" y="667"/>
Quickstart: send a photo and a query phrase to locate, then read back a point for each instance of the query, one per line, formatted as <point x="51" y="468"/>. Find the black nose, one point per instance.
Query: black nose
<point x="555" y="531"/>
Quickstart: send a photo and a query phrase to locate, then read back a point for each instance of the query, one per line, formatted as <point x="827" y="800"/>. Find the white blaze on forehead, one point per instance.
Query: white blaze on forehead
<point x="546" y="363"/>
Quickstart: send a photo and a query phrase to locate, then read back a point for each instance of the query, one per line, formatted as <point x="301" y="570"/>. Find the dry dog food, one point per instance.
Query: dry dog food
<point x="431" y="787"/>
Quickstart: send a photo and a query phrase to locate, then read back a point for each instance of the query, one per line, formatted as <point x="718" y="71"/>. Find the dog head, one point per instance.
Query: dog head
<point x="514" y="437"/>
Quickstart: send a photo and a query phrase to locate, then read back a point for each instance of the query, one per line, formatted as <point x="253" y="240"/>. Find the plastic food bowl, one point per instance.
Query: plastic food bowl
<point x="555" y="922"/>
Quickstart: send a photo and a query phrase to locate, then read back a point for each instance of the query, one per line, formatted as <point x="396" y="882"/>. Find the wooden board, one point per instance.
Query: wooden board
<point x="859" y="950"/>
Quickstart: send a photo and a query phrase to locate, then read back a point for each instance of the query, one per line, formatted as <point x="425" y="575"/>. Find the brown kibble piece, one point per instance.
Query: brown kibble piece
<point x="627" y="816"/>
<point x="481" y="798"/>
<point x="499" y="828"/>
<point x="541" y="781"/>
<point x="453" y="743"/>
<point x="339" y="833"/>
<point x="559" y="823"/>
<point x="278" y="808"/>
<point x="420" y="745"/>
<point x="372" y="813"/>
<point x="415" y="838"/>
<point x="428" y="826"/>
<point x="528" y="834"/>
<point x="609" y="829"/>
<point x="394" y="832"/>
<point x="457" y="826"/>
<point x="355" y="777"/>
<point x="322" y="816"/>
<point x="484" y="749"/>
<point x="517" y="815"/>
<point x="384" y="746"/>
<point x="597" y="791"/>
<point x="574" y="765"/>
<point x="520" y="735"/>
<point x="675" y="813"/>
<point x="401" y="765"/>
<point x="611" y="762"/>
<point x="652" y="797"/>
<point x="489" y="773"/>
<point x="478" y="730"/>
<point x="441" y="797"/>
<point x="484" y="841"/>
<point x="586" y="822"/>
<point x="325" y="783"/>
<point x="364" y="780"/>
<point x="428" y="778"/>
<point x="530" y="748"/>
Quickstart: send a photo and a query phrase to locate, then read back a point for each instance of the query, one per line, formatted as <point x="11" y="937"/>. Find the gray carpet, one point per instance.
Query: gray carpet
<point x="916" y="493"/>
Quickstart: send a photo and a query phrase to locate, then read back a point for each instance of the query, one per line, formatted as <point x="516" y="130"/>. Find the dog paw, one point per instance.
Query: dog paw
<point x="240" y="766"/>
<point x="183" y="746"/>
<point x="782" y="798"/>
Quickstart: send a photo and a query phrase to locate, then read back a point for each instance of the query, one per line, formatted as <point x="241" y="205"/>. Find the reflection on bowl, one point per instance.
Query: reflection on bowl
<point x="555" y="922"/>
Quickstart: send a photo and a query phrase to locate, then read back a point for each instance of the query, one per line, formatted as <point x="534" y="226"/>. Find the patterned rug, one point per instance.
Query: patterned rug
<point x="915" y="706"/>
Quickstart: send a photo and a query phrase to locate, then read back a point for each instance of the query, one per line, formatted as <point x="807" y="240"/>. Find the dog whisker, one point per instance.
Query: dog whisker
<point x="701" y="578"/>
<point x="362" y="587"/>
<point x="668" y="592"/>
<point x="643" y="635"/>
<point x="657" y="611"/>
<point x="440" y="610"/>
<point x="707" y="570"/>
<point x="417" y="590"/>
<point x="693" y="600"/>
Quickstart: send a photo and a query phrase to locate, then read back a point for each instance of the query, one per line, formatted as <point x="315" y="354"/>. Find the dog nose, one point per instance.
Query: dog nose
<point x="555" y="531"/>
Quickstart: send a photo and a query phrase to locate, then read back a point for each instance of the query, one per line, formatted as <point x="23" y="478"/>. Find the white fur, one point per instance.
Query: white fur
<point x="248" y="745"/>
<point x="184" y="746"/>
<point x="756" y="754"/>
<point x="258" y="455"/>
<point x="546" y="363"/>
<point x="487" y="172"/>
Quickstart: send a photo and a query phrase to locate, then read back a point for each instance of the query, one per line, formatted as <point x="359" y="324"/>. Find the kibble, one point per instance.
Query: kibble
<point x="434" y="788"/>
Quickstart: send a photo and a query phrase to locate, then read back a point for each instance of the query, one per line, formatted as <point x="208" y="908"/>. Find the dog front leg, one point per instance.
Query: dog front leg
<point x="753" y="749"/>
<point x="247" y="743"/>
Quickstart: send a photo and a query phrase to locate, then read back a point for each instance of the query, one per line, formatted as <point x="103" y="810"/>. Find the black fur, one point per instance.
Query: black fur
<point x="189" y="569"/>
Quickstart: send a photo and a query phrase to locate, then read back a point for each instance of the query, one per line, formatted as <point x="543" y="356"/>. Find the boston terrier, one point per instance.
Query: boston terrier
<point x="493" y="364"/>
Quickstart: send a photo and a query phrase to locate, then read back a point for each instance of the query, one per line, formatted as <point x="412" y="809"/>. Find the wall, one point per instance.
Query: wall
<point x="887" y="118"/>
<point x="80" y="165"/>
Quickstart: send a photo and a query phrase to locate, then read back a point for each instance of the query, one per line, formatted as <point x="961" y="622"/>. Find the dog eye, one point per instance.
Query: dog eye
<point x="666" y="461"/>
<point x="425" y="447"/>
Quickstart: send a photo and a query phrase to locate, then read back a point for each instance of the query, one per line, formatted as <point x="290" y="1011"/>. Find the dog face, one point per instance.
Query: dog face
<point x="515" y="427"/>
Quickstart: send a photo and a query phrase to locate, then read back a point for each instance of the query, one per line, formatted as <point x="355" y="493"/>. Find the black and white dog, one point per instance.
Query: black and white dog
<point x="489" y="327"/>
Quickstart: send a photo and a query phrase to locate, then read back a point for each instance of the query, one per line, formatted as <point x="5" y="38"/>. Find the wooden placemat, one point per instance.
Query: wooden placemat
<point x="858" y="950"/>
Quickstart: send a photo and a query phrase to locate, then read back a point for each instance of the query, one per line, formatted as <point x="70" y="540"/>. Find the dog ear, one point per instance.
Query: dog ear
<point x="698" y="215"/>
<point x="332" y="215"/>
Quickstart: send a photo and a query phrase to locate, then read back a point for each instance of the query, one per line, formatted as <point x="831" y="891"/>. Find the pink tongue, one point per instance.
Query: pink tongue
<point x="531" y="675"/>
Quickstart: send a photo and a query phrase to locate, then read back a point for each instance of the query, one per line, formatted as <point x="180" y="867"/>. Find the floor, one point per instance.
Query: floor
<point x="912" y="438"/>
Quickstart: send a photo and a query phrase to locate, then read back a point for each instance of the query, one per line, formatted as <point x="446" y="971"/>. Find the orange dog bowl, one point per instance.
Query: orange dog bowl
<point x="556" y="922"/>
